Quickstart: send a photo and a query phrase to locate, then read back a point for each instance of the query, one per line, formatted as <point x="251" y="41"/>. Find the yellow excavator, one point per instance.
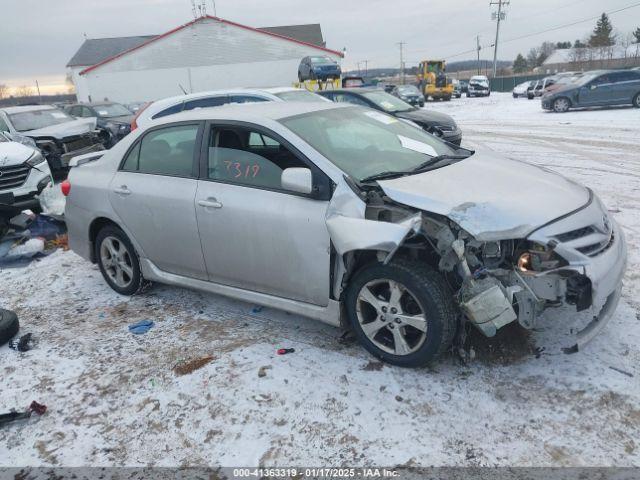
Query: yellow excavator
<point x="433" y="81"/>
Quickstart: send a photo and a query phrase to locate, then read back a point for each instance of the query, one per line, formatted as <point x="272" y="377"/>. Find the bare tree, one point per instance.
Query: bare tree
<point x="4" y="91"/>
<point x="70" y="86"/>
<point x="24" y="91"/>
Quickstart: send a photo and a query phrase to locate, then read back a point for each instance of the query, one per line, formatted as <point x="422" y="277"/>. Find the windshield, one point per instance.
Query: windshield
<point x="111" y="110"/>
<point x="299" y="96"/>
<point x="35" y="119"/>
<point x="363" y="142"/>
<point x="321" y="60"/>
<point x="388" y="102"/>
<point x="409" y="89"/>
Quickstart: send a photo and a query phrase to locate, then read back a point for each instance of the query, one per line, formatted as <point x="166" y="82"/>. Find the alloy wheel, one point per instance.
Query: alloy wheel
<point x="561" y="105"/>
<point x="116" y="260"/>
<point x="391" y="317"/>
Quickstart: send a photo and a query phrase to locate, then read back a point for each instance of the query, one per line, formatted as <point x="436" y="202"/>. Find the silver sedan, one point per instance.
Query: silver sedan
<point x="349" y="216"/>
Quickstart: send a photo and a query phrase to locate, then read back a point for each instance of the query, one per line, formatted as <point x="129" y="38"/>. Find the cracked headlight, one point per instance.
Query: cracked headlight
<point x="35" y="159"/>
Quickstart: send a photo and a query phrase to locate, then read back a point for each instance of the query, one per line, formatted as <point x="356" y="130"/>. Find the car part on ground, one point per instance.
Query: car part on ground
<point x="410" y="237"/>
<point x="599" y="88"/>
<point x="58" y="135"/>
<point x="24" y="173"/>
<point x="436" y="123"/>
<point x="9" y="325"/>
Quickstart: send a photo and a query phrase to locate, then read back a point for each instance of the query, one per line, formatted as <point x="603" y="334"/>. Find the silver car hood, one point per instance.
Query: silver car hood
<point x="490" y="197"/>
<point x="63" y="130"/>
<point x="14" y="153"/>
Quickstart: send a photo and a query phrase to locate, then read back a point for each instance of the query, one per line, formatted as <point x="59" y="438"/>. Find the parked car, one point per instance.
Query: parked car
<point x="318" y="68"/>
<point x="410" y="94"/>
<point x="564" y="80"/>
<point x="57" y="134"/>
<point x="436" y="123"/>
<point x="457" y="88"/>
<point x="135" y="106"/>
<point x="478" y="86"/>
<point x="521" y="89"/>
<point x="596" y="89"/>
<point x="464" y="86"/>
<point x="349" y="216"/>
<point x="217" y="98"/>
<point x="23" y="173"/>
<point x="113" y="120"/>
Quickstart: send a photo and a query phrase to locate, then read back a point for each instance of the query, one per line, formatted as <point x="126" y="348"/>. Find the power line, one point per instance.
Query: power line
<point x="611" y="12"/>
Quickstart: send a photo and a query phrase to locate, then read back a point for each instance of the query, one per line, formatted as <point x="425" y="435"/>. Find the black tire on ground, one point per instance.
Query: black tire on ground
<point x="9" y="325"/>
<point x="636" y="100"/>
<point x="136" y="282"/>
<point x="468" y="95"/>
<point x="423" y="289"/>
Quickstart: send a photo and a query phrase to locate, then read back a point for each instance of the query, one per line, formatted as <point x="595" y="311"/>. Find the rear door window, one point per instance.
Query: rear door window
<point x="207" y="102"/>
<point x="246" y="99"/>
<point x="165" y="151"/>
<point x="169" y="111"/>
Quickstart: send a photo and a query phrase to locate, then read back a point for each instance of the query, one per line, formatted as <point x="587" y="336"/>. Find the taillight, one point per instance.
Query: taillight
<point x="65" y="187"/>
<point x="134" y="123"/>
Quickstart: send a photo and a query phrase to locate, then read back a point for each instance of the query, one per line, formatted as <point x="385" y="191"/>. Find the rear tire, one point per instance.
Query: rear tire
<point x="118" y="261"/>
<point x="561" y="105"/>
<point x="402" y="313"/>
<point x="636" y="100"/>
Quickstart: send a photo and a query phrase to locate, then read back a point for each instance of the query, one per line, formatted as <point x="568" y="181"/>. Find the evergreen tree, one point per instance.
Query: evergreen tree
<point x="563" y="45"/>
<point x="520" y="64"/>
<point x="637" y="35"/>
<point x="602" y="35"/>
<point x="579" y="44"/>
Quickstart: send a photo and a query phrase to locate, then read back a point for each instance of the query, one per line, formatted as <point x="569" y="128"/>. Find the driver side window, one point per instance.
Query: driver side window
<point x="243" y="156"/>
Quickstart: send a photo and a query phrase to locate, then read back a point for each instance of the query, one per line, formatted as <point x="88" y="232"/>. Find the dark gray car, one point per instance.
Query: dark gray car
<point x="112" y="119"/>
<point x="436" y="123"/>
<point x="596" y="89"/>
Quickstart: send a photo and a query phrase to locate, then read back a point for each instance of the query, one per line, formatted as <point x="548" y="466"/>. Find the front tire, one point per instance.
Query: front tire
<point x="118" y="261"/>
<point x="402" y="313"/>
<point x="561" y="105"/>
<point x="636" y="100"/>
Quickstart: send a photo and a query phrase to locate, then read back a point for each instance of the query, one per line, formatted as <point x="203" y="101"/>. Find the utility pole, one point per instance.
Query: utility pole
<point x="499" y="17"/>
<point x="402" y="44"/>
<point x="478" y="49"/>
<point x="366" y="68"/>
<point x="38" y="88"/>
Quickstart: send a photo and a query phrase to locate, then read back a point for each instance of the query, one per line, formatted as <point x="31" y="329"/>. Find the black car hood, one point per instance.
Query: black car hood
<point x="427" y="117"/>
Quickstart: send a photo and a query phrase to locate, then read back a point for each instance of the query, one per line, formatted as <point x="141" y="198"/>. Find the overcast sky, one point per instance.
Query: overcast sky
<point x="38" y="37"/>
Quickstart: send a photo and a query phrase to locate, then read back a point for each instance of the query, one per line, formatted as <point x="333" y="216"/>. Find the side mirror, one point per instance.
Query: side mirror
<point x="297" y="180"/>
<point x="593" y="87"/>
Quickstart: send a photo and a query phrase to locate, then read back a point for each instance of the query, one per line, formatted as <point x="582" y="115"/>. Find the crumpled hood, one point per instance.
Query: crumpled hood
<point x="14" y="153"/>
<point x="63" y="130"/>
<point x="490" y="197"/>
<point x="428" y="117"/>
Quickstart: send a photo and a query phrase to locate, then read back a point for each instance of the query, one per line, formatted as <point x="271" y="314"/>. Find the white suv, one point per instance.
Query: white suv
<point x="23" y="172"/>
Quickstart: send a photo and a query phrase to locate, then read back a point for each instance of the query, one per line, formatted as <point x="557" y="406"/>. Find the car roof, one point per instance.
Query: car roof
<point x="27" y="108"/>
<point x="251" y="111"/>
<point x="192" y="96"/>
<point x="275" y="90"/>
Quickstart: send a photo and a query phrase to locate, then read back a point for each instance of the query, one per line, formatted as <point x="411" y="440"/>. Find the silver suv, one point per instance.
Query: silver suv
<point x="349" y="216"/>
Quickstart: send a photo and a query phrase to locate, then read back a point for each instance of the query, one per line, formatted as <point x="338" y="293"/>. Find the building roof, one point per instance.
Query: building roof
<point x="97" y="51"/>
<point x="568" y="55"/>
<point x="309" y="33"/>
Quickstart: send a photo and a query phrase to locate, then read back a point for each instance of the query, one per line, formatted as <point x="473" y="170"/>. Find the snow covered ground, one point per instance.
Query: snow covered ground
<point x="115" y="399"/>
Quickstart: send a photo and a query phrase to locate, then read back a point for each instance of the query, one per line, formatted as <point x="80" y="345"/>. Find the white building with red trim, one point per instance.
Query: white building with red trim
<point x="208" y="53"/>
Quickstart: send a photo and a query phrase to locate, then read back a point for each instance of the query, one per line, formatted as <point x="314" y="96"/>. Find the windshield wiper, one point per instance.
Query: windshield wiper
<point x="385" y="175"/>
<point x="438" y="158"/>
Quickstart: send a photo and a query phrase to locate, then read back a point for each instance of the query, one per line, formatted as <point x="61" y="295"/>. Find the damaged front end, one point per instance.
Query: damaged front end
<point x="577" y="260"/>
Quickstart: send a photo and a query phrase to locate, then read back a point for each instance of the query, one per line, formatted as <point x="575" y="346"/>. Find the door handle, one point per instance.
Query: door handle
<point x="210" y="203"/>
<point x="122" y="190"/>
